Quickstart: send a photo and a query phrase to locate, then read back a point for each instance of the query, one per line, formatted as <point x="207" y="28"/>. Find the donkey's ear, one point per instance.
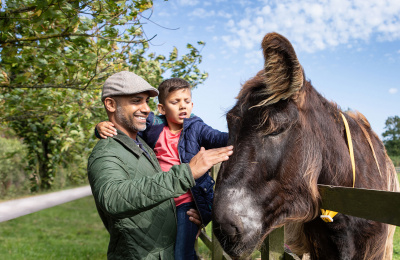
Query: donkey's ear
<point x="283" y="72"/>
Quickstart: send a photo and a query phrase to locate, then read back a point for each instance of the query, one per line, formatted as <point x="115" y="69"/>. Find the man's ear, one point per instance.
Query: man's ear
<point x="110" y="104"/>
<point x="161" y="109"/>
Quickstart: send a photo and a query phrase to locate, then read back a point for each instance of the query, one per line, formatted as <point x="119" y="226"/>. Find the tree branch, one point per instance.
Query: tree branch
<point x="29" y="8"/>
<point x="59" y="86"/>
<point x="63" y="35"/>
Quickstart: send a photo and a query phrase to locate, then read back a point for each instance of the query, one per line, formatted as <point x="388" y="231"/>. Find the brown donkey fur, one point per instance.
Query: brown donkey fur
<point x="288" y="139"/>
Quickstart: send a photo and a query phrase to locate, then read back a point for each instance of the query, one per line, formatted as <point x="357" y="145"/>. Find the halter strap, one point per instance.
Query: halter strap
<point x="327" y="215"/>
<point x="350" y="143"/>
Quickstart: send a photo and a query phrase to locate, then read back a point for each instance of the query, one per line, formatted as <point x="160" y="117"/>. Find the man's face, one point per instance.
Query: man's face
<point x="132" y="111"/>
<point x="178" y="105"/>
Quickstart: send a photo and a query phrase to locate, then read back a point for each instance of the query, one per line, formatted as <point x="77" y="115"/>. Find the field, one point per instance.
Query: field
<point x="70" y="231"/>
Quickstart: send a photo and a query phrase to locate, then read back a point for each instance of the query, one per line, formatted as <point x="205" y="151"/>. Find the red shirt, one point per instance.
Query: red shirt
<point x="166" y="150"/>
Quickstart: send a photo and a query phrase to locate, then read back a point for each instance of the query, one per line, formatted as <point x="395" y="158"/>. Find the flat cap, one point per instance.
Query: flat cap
<point x="126" y="83"/>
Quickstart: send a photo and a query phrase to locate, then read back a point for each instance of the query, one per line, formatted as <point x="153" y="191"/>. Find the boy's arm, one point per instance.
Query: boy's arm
<point x="212" y="138"/>
<point x="105" y="129"/>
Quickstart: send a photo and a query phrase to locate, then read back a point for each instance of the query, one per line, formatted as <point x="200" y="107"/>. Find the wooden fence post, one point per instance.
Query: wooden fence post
<point x="217" y="252"/>
<point x="273" y="246"/>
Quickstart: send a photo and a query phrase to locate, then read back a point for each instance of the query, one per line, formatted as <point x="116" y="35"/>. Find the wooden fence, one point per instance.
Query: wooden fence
<point x="381" y="206"/>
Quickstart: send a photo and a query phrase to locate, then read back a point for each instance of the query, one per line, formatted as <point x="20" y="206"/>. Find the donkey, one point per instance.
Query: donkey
<point x="287" y="139"/>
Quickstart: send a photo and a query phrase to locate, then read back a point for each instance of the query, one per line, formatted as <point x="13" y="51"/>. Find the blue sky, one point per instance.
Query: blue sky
<point x="349" y="49"/>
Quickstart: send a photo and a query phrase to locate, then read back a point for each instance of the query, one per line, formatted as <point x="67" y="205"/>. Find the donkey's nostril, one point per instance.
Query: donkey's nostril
<point x="231" y="229"/>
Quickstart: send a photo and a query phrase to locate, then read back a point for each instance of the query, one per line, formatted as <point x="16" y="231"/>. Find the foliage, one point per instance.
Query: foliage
<point x="12" y="175"/>
<point x="55" y="56"/>
<point x="395" y="160"/>
<point x="392" y="136"/>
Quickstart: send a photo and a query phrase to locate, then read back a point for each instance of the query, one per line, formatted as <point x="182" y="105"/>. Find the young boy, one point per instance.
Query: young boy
<point x="176" y="136"/>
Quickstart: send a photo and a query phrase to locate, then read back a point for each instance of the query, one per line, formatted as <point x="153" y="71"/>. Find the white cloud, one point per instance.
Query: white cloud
<point x="212" y="56"/>
<point x="224" y="14"/>
<point x="253" y="57"/>
<point x="234" y="43"/>
<point x="210" y="28"/>
<point x="188" y="2"/>
<point x="203" y="13"/>
<point x="393" y="90"/>
<point x="313" y="25"/>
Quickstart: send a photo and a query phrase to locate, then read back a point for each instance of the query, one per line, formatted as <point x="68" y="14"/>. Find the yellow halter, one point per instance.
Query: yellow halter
<point x="327" y="215"/>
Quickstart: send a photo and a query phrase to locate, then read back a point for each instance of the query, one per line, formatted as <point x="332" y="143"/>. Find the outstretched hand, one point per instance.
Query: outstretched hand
<point x="205" y="159"/>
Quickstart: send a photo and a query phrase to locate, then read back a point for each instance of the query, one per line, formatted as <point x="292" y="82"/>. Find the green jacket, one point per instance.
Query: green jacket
<point x="134" y="198"/>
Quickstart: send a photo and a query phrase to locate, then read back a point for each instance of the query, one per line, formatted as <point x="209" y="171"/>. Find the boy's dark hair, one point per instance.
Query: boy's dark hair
<point x="171" y="85"/>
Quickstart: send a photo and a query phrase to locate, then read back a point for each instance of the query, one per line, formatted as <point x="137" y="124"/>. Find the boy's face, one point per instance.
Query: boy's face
<point x="178" y="106"/>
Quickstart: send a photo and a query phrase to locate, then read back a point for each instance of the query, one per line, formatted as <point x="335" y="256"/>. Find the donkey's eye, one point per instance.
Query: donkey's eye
<point x="276" y="132"/>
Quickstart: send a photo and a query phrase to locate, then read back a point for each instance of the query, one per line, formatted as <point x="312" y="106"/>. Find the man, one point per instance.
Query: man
<point x="133" y="196"/>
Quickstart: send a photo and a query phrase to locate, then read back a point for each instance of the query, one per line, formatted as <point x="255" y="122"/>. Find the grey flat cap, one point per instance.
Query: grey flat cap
<point x="126" y="83"/>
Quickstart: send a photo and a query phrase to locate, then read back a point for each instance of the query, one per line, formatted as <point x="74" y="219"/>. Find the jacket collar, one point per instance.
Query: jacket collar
<point x="127" y="142"/>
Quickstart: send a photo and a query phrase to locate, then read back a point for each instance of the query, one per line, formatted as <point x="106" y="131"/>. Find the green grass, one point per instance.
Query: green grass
<point x="70" y="231"/>
<point x="396" y="244"/>
<point x="73" y="231"/>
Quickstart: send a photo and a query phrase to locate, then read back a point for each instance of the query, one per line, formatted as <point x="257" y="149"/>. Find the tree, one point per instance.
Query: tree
<point x="392" y="136"/>
<point x="55" y="56"/>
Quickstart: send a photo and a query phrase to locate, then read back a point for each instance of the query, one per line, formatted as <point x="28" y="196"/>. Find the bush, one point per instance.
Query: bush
<point x="395" y="160"/>
<point x="13" y="178"/>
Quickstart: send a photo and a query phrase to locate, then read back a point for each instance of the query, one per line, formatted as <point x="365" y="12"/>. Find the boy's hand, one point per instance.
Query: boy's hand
<point x="106" y="129"/>
<point x="205" y="159"/>
<point x="194" y="216"/>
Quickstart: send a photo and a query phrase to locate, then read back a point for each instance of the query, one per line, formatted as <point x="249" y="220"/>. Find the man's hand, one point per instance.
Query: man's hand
<point x="106" y="129"/>
<point x="205" y="159"/>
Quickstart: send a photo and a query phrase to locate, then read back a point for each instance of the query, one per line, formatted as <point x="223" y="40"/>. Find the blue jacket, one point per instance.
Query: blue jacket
<point x="195" y="134"/>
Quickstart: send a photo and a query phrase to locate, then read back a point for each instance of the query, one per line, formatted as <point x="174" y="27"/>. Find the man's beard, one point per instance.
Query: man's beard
<point x="126" y="123"/>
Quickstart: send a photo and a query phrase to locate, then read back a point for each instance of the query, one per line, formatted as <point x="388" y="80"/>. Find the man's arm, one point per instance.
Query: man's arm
<point x="121" y="195"/>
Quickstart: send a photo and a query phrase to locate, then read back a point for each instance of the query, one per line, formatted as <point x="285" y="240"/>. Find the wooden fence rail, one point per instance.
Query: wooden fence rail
<point x="381" y="206"/>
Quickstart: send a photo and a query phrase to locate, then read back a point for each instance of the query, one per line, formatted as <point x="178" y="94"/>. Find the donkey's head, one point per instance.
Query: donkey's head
<point x="271" y="179"/>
